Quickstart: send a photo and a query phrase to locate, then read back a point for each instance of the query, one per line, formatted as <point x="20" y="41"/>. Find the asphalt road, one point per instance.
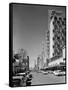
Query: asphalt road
<point x="40" y="78"/>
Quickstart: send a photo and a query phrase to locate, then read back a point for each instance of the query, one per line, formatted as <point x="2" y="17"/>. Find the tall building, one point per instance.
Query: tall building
<point x="56" y="36"/>
<point x="43" y="54"/>
<point x="38" y="62"/>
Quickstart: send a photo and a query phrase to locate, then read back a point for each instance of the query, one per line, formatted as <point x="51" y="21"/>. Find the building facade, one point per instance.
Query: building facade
<point x="21" y="65"/>
<point x="56" y="37"/>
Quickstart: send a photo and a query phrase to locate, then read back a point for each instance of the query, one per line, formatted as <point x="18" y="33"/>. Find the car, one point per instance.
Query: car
<point x="16" y="80"/>
<point x="19" y="79"/>
<point x="21" y="74"/>
<point x="28" y="81"/>
<point x="44" y="72"/>
<point x="22" y="79"/>
<point x="50" y="72"/>
<point x="59" y="73"/>
<point x="28" y="78"/>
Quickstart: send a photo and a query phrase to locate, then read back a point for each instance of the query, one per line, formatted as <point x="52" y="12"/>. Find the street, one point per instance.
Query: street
<point x="40" y="78"/>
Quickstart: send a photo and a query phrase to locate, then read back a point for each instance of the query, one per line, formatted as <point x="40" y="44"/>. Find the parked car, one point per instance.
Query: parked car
<point x="22" y="79"/>
<point x="44" y="72"/>
<point x="28" y="79"/>
<point x="21" y="74"/>
<point x="16" y="80"/>
<point x="59" y="73"/>
<point x="19" y="79"/>
<point x="50" y="72"/>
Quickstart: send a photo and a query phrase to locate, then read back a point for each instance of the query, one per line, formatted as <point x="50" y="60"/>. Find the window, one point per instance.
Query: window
<point x="63" y="23"/>
<point x="60" y="18"/>
<point x="55" y="18"/>
<point x="53" y="46"/>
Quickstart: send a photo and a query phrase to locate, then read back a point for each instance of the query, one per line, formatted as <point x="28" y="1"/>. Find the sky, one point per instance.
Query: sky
<point x="30" y="24"/>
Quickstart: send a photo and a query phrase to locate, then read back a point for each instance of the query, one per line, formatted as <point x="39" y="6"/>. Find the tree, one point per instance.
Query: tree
<point x="21" y="54"/>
